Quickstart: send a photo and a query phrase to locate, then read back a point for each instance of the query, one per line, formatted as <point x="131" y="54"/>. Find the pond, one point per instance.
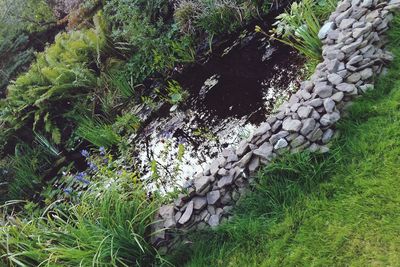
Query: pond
<point x="231" y="92"/>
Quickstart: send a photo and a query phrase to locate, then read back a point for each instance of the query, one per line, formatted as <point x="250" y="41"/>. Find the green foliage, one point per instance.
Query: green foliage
<point x="56" y="83"/>
<point x="24" y="169"/>
<point x="24" y="16"/>
<point x="175" y="93"/>
<point x="109" y="227"/>
<point x="97" y="132"/>
<point x="215" y="16"/>
<point x="299" y="26"/>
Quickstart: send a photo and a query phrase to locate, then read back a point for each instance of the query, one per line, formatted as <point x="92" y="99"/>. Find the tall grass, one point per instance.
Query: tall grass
<point x="97" y="132"/>
<point x="299" y="26"/>
<point x="107" y="228"/>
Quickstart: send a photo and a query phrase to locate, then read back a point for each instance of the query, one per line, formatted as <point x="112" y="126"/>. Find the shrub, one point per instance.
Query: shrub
<point x="56" y="83"/>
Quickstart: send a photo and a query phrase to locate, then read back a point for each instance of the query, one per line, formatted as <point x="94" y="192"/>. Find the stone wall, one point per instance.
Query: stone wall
<point x="353" y="54"/>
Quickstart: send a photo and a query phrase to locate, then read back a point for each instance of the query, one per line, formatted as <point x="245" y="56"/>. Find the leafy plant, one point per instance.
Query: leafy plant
<point x="299" y="26"/>
<point x="55" y="84"/>
<point x="97" y="132"/>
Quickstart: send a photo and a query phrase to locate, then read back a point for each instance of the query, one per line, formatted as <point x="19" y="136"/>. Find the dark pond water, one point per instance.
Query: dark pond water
<point x="231" y="92"/>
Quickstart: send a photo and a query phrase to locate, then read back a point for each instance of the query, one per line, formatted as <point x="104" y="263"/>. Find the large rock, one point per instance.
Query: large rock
<point x="346" y="87"/>
<point x="199" y="203"/>
<point x="291" y="125"/>
<point x="264" y="151"/>
<point x="323" y="32"/>
<point x="323" y="90"/>
<point x="329" y="119"/>
<point x="308" y="126"/>
<point x="213" y="197"/>
<point x="201" y="183"/>
<point x="187" y="214"/>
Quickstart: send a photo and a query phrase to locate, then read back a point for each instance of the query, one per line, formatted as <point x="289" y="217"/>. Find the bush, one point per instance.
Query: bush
<point x="61" y="78"/>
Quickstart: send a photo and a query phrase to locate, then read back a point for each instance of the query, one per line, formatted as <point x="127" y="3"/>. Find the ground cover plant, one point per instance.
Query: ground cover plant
<point x="335" y="210"/>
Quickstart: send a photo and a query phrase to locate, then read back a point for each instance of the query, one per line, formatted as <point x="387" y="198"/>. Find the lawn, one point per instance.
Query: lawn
<point x="340" y="209"/>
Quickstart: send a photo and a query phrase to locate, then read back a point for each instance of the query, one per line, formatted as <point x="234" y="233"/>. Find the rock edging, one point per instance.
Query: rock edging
<point x="353" y="53"/>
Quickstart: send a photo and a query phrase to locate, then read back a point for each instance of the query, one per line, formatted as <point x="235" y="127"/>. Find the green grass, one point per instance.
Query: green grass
<point x="342" y="209"/>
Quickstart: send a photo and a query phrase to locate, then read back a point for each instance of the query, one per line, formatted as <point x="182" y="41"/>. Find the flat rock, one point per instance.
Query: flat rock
<point x="281" y="144"/>
<point x="213" y="197"/>
<point x="262" y="129"/>
<point x="242" y="148"/>
<point x="298" y="141"/>
<point x="264" y="151"/>
<point x="225" y="181"/>
<point x="304" y="111"/>
<point x="353" y="78"/>
<point x="329" y="105"/>
<point x="274" y="138"/>
<point x="329" y="119"/>
<point x="201" y="183"/>
<point x="308" y="126"/>
<point x="323" y="90"/>
<point x="337" y="97"/>
<point x="366" y="73"/>
<point x="214" y="220"/>
<point x="325" y="29"/>
<point x="291" y="125"/>
<point x="254" y="164"/>
<point x="245" y="159"/>
<point x="187" y="214"/>
<point x="346" y="87"/>
<point x="335" y="79"/>
<point x="199" y="202"/>
<point x="167" y="211"/>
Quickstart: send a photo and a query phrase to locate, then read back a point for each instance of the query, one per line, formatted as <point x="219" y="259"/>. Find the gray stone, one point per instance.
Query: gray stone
<point x="353" y="78"/>
<point x="325" y="29"/>
<point x="262" y="129"/>
<point x="254" y="164"/>
<point x="222" y="172"/>
<point x="346" y="23"/>
<point x="264" y="151"/>
<point x="350" y="48"/>
<point x="323" y="90"/>
<point x="316" y="102"/>
<point x="187" y="214"/>
<point x="214" y="220"/>
<point x="329" y="119"/>
<point x="226" y="199"/>
<point x="327" y="136"/>
<point x="357" y="32"/>
<point x="276" y="126"/>
<point x="281" y="144"/>
<point x="366" y="74"/>
<point x="366" y="87"/>
<point x="355" y="60"/>
<point x="345" y="87"/>
<point x="201" y="183"/>
<point x="332" y="65"/>
<point x="199" y="203"/>
<point x="335" y="79"/>
<point x="298" y="141"/>
<point x="315" y="135"/>
<point x="337" y="97"/>
<point x="304" y="111"/>
<point x="214" y="167"/>
<point x="366" y="3"/>
<point x="308" y="126"/>
<point x="291" y="125"/>
<point x="225" y="181"/>
<point x="343" y="6"/>
<point x="343" y="15"/>
<point x="167" y="211"/>
<point x="305" y="95"/>
<point x="213" y="197"/>
<point x="307" y="85"/>
<point x="242" y="148"/>
<point x="291" y="137"/>
<point x="329" y="105"/>
<point x="278" y="136"/>
<point x="245" y="159"/>
<point x="232" y="158"/>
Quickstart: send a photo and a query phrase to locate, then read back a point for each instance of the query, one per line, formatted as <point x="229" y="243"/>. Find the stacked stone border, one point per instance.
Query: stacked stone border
<point x="353" y="54"/>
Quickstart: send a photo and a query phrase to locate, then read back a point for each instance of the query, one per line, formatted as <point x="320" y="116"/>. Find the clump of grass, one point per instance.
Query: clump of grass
<point x="299" y="26"/>
<point x="107" y="228"/>
<point x="97" y="132"/>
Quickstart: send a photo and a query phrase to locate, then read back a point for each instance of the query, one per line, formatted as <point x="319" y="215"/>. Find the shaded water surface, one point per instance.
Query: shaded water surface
<point x="231" y="92"/>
